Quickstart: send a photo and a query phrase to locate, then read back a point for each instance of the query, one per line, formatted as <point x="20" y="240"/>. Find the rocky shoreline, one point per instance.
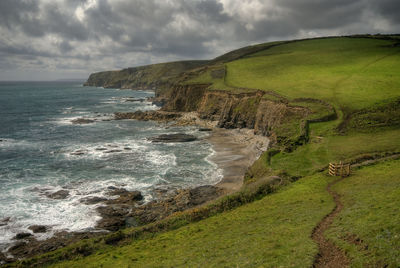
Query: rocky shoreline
<point x="235" y="151"/>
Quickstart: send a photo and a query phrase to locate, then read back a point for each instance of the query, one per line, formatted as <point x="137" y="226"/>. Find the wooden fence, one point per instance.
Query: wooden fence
<point x="342" y="170"/>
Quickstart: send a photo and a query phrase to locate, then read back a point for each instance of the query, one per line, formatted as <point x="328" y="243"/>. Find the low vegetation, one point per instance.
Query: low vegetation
<point x="271" y="232"/>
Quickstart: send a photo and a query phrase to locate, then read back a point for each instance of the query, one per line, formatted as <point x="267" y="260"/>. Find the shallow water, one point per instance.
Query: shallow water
<point x="42" y="152"/>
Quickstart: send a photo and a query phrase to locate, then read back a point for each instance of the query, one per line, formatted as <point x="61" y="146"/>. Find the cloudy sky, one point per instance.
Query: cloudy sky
<point x="56" y="39"/>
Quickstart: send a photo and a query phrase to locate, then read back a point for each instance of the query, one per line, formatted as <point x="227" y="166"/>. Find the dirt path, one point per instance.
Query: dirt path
<point x="329" y="255"/>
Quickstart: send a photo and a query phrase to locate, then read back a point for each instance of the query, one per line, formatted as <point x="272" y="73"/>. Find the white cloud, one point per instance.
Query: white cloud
<point x="70" y="37"/>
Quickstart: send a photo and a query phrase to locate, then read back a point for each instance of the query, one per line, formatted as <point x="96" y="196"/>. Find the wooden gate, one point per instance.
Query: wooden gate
<point x="342" y="170"/>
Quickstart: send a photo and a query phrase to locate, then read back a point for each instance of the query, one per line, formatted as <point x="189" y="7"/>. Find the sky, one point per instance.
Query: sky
<point x="61" y="39"/>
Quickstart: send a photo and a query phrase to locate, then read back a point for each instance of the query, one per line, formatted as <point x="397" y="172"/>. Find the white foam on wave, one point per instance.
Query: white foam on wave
<point x="159" y="158"/>
<point x="214" y="174"/>
<point x="32" y="206"/>
<point x="6" y="143"/>
<point x="101" y="150"/>
<point x="66" y="120"/>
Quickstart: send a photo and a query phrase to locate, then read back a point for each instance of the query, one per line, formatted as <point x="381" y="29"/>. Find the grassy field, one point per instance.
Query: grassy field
<point x="368" y="228"/>
<point x="271" y="232"/>
<point x="348" y="72"/>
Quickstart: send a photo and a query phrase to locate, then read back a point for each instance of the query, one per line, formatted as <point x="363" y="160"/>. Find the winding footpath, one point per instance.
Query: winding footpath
<point x="329" y="255"/>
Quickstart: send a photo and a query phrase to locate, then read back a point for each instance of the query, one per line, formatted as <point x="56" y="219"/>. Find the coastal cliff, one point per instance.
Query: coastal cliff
<point x="268" y="114"/>
<point x="149" y="77"/>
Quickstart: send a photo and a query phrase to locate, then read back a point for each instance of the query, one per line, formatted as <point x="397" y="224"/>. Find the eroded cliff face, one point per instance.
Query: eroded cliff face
<point x="253" y="110"/>
<point x="184" y="98"/>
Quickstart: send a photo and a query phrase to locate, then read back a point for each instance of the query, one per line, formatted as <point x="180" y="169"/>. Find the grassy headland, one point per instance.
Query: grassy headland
<point x="340" y="98"/>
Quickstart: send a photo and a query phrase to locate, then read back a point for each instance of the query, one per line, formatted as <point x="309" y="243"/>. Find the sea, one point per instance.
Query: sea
<point x="43" y="152"/>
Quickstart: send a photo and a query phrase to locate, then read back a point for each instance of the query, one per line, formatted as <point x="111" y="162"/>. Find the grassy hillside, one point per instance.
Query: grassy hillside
<point x="276" y="230"/>
<point x="349" y="72"/>
<point x="360" y="78"/>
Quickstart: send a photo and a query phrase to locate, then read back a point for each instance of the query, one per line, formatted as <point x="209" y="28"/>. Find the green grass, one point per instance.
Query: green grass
<point x="348" y="72"/>
<point x="322" y="150"/>
<point x="371" y="213"/>
<point x="274" y="231"/>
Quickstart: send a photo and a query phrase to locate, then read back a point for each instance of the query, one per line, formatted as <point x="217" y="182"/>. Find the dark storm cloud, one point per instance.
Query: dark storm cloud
<point x="323" y="14"/>
<point x="388" y="8"/>
<point x="87" y="35"/>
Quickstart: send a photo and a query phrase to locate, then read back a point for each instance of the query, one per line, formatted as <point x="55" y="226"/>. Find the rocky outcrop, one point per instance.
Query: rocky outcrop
<point x="231" y="110"/>
<point x="178" y="137"/>
<point x="268" y="113"/>
<point x="178" y="201"/>
<point x="38" y="228"/>
<point x="246" y="110"/>
<point x="61" y="194"/>
<point x="127" y="210"/>
<point x="185" y="98"/>
<point x="160" y="116"/>
<point x="82" y="121"/>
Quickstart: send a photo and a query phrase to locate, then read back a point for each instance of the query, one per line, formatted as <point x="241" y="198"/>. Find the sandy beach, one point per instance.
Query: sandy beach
<point x="236" y="150"/>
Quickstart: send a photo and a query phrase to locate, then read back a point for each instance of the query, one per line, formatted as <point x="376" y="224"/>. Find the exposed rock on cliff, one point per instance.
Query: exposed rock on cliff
<point x="185" y="98"/>
<point x="283" y="121"/>
<point x="178" y="137"/>
<point x="161" y="116"/>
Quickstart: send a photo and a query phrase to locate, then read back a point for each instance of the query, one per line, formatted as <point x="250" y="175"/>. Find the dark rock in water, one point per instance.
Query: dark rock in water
<point x="134" y="100"/>
<point x="112" y="188"/>
<point x="127" y="197"/>
<point x="61" y="194"/>
<point x="113" y="151"/>
<point x="205" y="129"/>
<point x="22" y="236"/>
<point x="79" y="152"/>
<point x="127" y="148"/>
<point x="4" y="221"/>
<point x="179" y="137"/>
<point x="91" y="200"/>
<point x="38" y="228"/>
<point x="115" y="213"/>
<point x="81" y="121"/>
<point x="117" y="191"/>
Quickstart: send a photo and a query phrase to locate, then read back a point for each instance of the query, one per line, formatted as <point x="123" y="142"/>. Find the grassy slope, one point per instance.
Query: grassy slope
<point x="371" y="216"/>
<point x="348" y="72"/>
<point x="275" y="231"/>
<point x="271" y="232"/>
